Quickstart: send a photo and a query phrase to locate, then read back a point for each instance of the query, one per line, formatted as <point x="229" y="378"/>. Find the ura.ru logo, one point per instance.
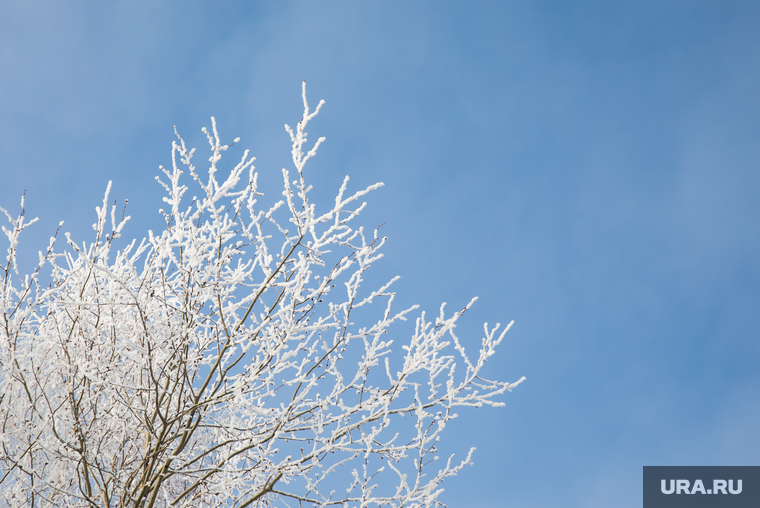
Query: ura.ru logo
<point x="685" y="487"/>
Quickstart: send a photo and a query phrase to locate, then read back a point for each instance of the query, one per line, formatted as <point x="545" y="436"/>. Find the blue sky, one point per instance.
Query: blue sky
<point x="588" y="169"/>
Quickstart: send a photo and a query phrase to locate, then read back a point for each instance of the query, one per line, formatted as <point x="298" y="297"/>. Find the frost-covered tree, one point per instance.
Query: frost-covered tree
<point x="233" y="359"/>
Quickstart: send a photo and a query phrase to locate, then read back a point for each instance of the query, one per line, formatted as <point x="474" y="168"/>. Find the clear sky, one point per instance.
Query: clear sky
<point x="588" y="169"/>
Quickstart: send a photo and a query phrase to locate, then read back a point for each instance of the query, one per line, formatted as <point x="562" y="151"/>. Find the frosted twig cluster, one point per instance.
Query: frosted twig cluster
<point x="218" y="362"/>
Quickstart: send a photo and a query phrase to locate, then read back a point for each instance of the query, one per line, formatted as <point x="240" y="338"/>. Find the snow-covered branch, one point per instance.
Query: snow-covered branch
<point x="218" y="362"/>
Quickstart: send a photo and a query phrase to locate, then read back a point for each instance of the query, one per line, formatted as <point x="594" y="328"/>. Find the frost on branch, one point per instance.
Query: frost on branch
<point x="217" y="363"/>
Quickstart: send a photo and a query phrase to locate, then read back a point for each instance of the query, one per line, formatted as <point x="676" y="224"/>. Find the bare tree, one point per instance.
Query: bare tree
<point x="218" y="363"/>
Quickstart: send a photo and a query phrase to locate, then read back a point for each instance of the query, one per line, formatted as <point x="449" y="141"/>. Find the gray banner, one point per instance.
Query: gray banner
<point x="701" y="486"/>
